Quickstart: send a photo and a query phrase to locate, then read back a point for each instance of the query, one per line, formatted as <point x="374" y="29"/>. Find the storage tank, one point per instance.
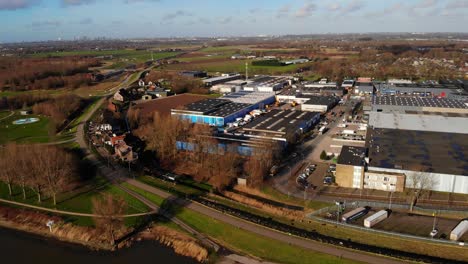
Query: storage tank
<point x="375" y="218"/>
<point x="459" y="230"/>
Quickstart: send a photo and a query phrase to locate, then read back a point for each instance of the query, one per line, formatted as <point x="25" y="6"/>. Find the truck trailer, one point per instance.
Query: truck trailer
<point x="354" y="214"/>
<point x="459" y="230"/>
<point x="375" y="218"/>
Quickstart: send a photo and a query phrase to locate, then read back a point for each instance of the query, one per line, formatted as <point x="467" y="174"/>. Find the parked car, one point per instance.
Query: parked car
<point x="327" y="180"/>
<point x="434" y="232"/>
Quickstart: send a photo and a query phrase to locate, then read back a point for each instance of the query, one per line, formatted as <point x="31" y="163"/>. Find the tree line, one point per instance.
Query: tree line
<point x="50" y="73"/>
<point x="176" y="82"/>
<point x="46" y="170"/>
<point x="202" y="157"/>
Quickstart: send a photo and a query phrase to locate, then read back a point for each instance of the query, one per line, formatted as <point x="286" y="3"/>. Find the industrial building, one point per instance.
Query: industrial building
<point x="219" y="112"/>
<point x="441" y="158"/>
<point x="420" y="121"/>
<point x="267" y="83"/>
<point x="350" y="167"/>
<point x="281" y="125"/>
<point x="319" y="103"/>
<point x="229" y="87"/>
<point x="351" y="172"/>
<point x="453" y="93"/>
<point x="364" y="88"/>
<point x="418" y="104"/>
<point x="221" y="79"/>
<point x="194" y="74"/>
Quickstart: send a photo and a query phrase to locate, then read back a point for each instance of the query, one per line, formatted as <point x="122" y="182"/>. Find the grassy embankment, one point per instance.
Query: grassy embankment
<point x="37" y="132"/>
<point x="243" y="241"/>
<point x="326" y="229"/>
<point x="79" y="200"/>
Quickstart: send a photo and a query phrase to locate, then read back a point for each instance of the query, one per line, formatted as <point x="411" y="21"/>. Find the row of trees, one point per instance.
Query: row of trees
<point x="60" y="108"/>
<point x="46" y="170"/>
<point x="202" y="158"/>
<point x="47" y="73"/>
<point x="176" y="82"/>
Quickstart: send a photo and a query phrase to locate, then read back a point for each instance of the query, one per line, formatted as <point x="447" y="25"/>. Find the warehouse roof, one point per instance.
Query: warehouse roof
<point x="419" y="101"/>
<point x="321" y="100"/>
<point x="228" y="109"/>
<point x="280" y="121"/>
<point x="351" y="155"/>
<point x="425" y="121"/>
<point x="206" y="106"/>
<point x="445" y="153"/>
<point x="248" y="97"/>
<point x="213" y="107"/>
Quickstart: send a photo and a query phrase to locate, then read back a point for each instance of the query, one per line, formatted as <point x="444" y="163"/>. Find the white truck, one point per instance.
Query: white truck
<point x="348" y="132"/>
<point x="375" y="218"/>
<point x="459" y="230"/>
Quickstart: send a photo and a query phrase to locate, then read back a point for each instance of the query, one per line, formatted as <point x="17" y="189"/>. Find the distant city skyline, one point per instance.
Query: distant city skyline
<point x="32" y="20"/>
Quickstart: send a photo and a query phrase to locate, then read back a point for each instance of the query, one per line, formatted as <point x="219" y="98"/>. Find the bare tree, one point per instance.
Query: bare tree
<point x="58" y="171"/>
<point x="8" y="166"/>
<point x="259" y="163"/>
<point x="109" y="210"/>
<point x="419" y="183"/>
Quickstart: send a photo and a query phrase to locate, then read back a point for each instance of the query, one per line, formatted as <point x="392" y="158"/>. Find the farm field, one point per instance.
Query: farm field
<point x="37" y="132"/>
<point x="121" y="58"/>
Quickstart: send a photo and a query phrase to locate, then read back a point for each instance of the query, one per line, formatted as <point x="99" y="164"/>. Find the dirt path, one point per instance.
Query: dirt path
<point x="11" y="114"/>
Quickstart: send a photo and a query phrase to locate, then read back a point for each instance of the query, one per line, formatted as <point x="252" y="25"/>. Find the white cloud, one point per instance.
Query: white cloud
<point x="16" y="4"/>
<point x="306" y="10"/>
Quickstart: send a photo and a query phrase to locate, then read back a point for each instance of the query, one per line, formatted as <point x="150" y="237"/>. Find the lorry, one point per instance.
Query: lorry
<point x="354" y="214"/>
<point x="348" y="132"/>
<point x="459" y="230"/>
<point x="375" y="218"/>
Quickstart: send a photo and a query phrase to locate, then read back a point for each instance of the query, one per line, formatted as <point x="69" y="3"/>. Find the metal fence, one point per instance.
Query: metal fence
<point x="333" y="210"/>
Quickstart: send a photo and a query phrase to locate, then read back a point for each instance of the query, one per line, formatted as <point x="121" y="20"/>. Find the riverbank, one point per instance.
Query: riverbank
<point x="21" y="247"/>
<point x="35" y="223"/>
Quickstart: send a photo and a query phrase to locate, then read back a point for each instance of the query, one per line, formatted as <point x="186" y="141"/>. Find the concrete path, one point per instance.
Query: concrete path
<point x="62" y="212"/>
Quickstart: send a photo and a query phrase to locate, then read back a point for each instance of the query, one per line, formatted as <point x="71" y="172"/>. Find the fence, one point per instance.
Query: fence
<point x="333" y="209"/>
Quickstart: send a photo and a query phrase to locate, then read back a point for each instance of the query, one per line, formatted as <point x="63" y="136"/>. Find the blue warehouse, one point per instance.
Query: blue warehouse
<point x="219" y="112"/>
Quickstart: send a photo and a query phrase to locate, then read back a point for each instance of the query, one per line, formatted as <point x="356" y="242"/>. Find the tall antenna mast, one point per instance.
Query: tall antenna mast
<point x="246" y="71"/>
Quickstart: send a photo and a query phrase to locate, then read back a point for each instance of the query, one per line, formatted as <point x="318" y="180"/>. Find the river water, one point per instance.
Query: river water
<point x="18" y="247"/>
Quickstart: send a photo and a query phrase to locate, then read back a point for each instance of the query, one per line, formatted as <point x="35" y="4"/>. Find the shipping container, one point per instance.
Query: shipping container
<point x="375" y="218"/>
<point x="459" y="230"/>
<point x="354" y="214"/>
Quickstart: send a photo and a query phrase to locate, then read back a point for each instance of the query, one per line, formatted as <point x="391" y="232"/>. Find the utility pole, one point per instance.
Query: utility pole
<point x="390" y="202"/>
<point x="246" y="71"/>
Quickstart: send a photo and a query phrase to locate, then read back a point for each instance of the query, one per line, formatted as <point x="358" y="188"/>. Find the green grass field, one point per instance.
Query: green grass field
<point x="4" y="114"/>
<point x="246" y="242"/>
<point x="235" y="66"/>
<point x="78" y="200"/>
<point x="121" y="58"/>
<point x="27" y="133"/>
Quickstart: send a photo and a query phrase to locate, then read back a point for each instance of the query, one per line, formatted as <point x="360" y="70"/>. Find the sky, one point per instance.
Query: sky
<point x="32" y="20"/>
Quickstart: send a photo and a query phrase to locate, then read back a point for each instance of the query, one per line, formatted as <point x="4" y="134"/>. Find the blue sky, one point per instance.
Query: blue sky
<point x="29" y="20"/>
